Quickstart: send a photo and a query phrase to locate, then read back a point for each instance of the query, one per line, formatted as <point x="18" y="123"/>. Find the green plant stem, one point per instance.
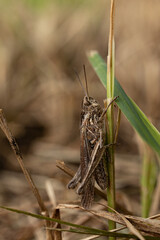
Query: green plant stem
<point x="148" y="180"/>
<point x="145" y="175"/>
<point x="111" y="168"/>
<point x="110" y="119"/>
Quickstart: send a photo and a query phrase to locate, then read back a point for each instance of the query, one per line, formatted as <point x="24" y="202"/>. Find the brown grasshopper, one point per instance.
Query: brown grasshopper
<point x="92" y="149"/>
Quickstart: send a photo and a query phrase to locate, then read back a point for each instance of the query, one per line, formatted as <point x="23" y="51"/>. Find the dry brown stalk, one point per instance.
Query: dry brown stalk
<point x="15" y="148"/>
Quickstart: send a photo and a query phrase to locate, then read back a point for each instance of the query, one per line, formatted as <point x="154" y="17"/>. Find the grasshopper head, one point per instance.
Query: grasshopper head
<point x="90" y="104"/>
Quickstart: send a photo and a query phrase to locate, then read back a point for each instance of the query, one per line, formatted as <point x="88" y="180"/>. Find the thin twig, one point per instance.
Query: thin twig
<point x="15" y="148"/>
<point x="61" y="165"/>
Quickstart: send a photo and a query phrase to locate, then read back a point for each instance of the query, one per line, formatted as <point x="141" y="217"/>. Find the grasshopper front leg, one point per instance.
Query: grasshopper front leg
<point x="75" y="180"/>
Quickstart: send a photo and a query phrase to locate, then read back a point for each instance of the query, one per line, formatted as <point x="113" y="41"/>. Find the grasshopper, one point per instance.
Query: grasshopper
<point x="93" y="152"/>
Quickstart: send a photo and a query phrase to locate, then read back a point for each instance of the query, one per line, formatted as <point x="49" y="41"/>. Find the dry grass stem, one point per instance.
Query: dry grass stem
<point x="111" y="32"/>
<point x="51" y="193"/>
<point x="117" y="229"/>
<point x="61" y="165"/>
<point x="133" y="223"/>
<point x="56" y="212"/>
<point x="15" y="148"/>
<point x="92" y="237"/>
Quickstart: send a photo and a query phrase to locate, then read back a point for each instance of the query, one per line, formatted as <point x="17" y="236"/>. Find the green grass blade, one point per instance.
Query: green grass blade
<point x="113" y="234"/>
<point x="85" y="230"/>
<point x="75" y="228"/>
<point x="132" y="112"/>
<point x="148" y="181"/>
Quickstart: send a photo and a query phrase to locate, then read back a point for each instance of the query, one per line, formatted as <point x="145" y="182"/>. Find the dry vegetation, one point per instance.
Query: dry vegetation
<point x="40" y="46"/>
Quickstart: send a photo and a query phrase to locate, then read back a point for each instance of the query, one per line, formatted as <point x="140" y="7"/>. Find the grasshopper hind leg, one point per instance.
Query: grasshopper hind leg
<point x="100" y="175"/>
<point x="88" y="194"/>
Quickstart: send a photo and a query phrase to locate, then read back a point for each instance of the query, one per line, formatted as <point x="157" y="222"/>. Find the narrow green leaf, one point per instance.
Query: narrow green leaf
<point x="89" y="230"/>
<point x="132" y="112"/>
<point x="86" y="230"/>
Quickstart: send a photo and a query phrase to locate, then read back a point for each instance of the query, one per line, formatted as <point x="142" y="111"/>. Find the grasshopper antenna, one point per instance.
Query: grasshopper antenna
<point x="86" y="93"/>
<point x="85" y="76"/>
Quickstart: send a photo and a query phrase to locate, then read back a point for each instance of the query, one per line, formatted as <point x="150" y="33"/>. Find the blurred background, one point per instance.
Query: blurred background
<point x="42" y="43"/>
